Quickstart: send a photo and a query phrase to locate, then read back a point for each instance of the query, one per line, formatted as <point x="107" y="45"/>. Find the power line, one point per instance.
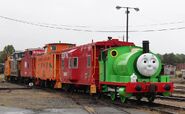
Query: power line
<point x="88" y="30"/>
<point x="159" y="24"/>
<point x="42" y="25"/>
<point x="158" y="30"/>
<point x="146" y="25"/>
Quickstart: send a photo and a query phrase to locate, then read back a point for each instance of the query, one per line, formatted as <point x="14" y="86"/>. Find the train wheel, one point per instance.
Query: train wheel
<point x="52" y="84"/>
<point x="113" y="96"/>
<point x="36" y="82"/>
<point x="99" y="95"/>
<point x="151" y="98"/>
<point x="7" y="78"/>
<point x="123" y="99"/>
<point x="43" y="83"/>
<point x="138" y="97"/>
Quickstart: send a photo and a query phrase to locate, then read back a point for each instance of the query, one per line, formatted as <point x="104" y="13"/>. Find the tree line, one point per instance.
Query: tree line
<point x="172" y="59"/>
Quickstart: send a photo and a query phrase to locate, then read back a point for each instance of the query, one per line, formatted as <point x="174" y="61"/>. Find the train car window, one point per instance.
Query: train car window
<point x="73" y="62"/>
<point x="22" y="55"/>
<point x="27" y="65"/>
<point x="53" y="47"/>
<point x="88" y="61"/>
<point x="16" y="56"/>
<point x="30" y="52"/>
<point x="62" y="63"/>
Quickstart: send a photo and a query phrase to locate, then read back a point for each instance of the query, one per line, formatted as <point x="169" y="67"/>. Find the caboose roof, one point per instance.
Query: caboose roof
<point x="18" y="52"/>
<point x="58" y="44"/>
<point x="114" y="42"/>
<point x="33" y="49"/>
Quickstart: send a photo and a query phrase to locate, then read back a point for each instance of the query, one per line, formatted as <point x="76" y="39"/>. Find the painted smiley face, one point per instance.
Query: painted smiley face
<point x="147" y="64"/>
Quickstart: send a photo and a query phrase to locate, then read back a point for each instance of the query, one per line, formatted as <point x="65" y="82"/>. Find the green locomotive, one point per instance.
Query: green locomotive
<point x="127" y="71"/>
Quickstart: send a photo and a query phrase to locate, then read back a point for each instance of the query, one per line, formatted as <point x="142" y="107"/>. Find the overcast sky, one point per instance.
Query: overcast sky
<point x="95" y="15"/>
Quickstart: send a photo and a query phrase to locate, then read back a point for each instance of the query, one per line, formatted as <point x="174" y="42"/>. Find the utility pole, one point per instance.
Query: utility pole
<point x="127" y="14"/>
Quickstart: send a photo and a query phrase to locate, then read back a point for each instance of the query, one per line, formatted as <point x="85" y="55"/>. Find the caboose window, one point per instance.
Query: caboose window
<point x="16" y="56"/>
<point x="63" y="63"/>
<point x="30" y="52"/>
<point x="76" y="62"/>
<point x="53" y="48"/>
<point x="73" y="62"/>
<point x="88" y="61"/>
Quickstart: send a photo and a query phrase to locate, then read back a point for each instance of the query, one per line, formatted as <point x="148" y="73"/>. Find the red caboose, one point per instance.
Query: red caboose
<point x="28" y="63"/>
<point x="80" y="67"/>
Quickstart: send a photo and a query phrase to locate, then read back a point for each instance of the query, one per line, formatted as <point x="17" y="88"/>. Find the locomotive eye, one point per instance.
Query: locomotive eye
<point x="153" y="61"/>
<point x="145" y="61"/>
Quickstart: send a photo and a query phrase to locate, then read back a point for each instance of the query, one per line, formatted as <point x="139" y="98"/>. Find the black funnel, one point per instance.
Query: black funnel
<point x="146" y="46"/>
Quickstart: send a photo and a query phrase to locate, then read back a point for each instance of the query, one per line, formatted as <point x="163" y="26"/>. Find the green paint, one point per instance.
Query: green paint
<point x="120" y="67"/>
<point x="153" y="80"/>
<point x="164" y="78"/>
<point x="124" y="78"/>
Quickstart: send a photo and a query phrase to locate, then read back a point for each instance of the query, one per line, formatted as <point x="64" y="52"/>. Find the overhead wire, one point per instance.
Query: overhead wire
<point x="144" y="25"/>
<point x="68" y="27"/>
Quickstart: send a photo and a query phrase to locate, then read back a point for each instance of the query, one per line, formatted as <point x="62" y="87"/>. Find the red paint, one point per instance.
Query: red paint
<point x="84" y="74"/>
<point x="130" y="87"/>
<point x="28" y="62"/>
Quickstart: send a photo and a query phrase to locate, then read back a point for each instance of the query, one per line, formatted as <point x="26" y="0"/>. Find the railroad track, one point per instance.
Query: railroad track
<point x="8" y="87"/>
<point x="180" y="91"/>
<point x="179" y="87"/>
<point x="15" y="88"/>
<point x="175" y="98"/>
<point x="161" y="108"/>
<point x="131" y="103"/>
<point x="79" y="102"/>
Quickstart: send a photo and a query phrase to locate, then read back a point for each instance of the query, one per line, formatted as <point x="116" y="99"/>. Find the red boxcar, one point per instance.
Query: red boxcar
<point x="28" y="62"/>
<point x="80" y="64"/>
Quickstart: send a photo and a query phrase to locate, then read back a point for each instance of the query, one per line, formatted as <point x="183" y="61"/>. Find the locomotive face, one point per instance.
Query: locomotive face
<point x="147" y="64"/>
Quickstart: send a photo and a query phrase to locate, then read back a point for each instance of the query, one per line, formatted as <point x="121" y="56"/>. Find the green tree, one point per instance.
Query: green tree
<point x="172" y="58"/>
<point x="169" y="59"/>
<point x="7" y="51"/>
